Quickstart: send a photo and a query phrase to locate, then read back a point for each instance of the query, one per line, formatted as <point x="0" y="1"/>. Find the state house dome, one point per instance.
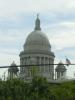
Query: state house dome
<point x="37" y="51"/>
<point x="37" y="40"/>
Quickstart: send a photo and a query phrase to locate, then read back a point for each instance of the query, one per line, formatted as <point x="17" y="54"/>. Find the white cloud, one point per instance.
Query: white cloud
<point x="64" y="40"/>
<point x="62" y="35"/>
<point x="13" y="7"/>
<point x="7" y="59"/>
<point x="9" y="51"/>
<point x="71" y="4"/>
<point x="68" y="24"/>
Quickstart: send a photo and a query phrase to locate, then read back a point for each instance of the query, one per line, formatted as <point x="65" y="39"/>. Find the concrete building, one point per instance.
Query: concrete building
<point x="12" y="71"/>
<point x="60" y="71"/>
<point x="37" y="52"/>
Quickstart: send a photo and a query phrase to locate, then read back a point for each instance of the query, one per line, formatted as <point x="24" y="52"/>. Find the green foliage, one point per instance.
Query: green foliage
<point x="38" y="89"/>
<point x="34" y="71"/>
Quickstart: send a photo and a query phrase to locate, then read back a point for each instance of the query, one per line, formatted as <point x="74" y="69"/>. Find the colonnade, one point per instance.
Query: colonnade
<point x="59" y="74"/>
<point x="46" y="70"/>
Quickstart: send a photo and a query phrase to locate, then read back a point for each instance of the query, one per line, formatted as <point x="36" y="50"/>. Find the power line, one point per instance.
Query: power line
<point x="33" y="65"/>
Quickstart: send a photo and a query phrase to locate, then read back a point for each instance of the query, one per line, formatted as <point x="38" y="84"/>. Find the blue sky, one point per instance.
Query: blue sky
<point x="17" y="19"/>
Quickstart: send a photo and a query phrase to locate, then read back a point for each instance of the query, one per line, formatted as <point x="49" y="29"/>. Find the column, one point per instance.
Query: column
<point x="44" y="64"/>
<point x="40" y="65"/>
<point x="55" y="75"/>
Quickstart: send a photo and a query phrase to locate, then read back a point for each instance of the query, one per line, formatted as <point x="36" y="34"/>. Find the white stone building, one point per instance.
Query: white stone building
<point x="60" y="71"/>
<point x="37" y="51"/>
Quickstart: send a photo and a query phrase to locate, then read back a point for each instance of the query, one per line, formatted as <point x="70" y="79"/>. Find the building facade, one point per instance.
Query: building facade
<point x="60" y="71"/>
<point x="37" y="52"/>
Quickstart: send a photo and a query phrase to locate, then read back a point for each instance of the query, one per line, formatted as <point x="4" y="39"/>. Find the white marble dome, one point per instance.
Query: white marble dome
<point x="37" y="51"/>
<point x="37" y="40"/>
